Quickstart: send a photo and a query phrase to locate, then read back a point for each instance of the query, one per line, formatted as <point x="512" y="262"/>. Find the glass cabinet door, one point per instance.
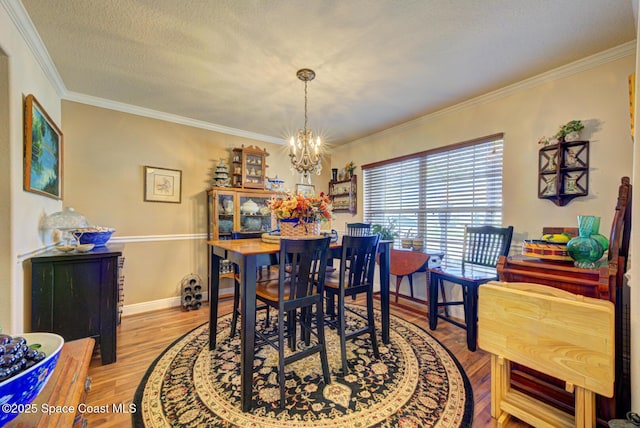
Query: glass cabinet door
<point x="224" y="214"/>
<point x="255" y="215"/>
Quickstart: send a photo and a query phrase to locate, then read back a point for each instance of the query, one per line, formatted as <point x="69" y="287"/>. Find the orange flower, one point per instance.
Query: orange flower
<point x="309" y="209"/>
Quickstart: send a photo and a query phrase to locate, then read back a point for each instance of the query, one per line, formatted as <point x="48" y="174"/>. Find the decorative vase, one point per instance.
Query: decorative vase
<point x="293" y="228"/>
<point x="595" y="234"/>
<point x="583" y="249"/>
<point x="334" y="174"/>
<point x="572" y="136"/>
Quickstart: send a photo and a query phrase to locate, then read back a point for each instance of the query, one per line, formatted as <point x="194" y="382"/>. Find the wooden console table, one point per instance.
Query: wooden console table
<point x="67" y="386"/>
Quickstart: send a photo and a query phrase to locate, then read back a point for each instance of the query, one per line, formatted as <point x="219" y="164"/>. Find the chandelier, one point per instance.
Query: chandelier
<point x="304" y="150"/>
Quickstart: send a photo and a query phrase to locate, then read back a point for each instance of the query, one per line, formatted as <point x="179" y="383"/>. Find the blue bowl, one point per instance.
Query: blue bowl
<point x="22" y="389"/>
<point x="96" y="238"/>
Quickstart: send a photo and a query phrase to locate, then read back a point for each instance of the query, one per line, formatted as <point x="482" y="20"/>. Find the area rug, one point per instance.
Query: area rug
<point x="416" y="382"/>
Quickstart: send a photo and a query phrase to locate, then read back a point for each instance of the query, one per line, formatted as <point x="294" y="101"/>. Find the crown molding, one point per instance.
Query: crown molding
<point x="167" y="117"/>
<point x="601" y="58"/>
<point x="27" y="30"/>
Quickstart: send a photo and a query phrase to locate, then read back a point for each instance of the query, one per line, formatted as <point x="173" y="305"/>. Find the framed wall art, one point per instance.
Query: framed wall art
<point x="162" y="185"/>
<point x="306" y="190"/>
<point x="43" y="145"/>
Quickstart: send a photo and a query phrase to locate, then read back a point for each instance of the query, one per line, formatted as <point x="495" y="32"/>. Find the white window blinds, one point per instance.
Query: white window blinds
<point x="434" y="194"/>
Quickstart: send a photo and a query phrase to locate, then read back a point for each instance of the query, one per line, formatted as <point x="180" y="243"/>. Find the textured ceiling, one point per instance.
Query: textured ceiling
<point x="379" y="63"/>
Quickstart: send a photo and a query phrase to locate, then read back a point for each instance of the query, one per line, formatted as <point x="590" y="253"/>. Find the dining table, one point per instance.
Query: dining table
<point x="243" y="253"/>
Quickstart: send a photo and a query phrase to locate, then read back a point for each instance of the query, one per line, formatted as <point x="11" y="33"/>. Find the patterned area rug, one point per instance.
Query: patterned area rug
<point x="417" y="382"/>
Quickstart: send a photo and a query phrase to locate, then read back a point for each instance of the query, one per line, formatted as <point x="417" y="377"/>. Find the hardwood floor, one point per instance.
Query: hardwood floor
<point x="141" y="339"/>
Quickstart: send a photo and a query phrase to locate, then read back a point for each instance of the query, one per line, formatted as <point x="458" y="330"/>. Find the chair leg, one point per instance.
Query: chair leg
<point x="444" y="298"/>
<point x="292" y="329"/>
<point x="341" y="332"/>
<point x="281" y="357"/>
<point x="371" y="322"/>
<point x="236" y="309"/>
<point x="324" y="360"/>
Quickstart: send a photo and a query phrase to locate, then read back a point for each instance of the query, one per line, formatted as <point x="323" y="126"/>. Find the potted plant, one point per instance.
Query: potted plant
<point x="387" y="233"/>
<point x="570" y="131"/>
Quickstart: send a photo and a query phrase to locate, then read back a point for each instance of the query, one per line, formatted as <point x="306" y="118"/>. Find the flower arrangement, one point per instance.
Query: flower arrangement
<point x="349" y="168"/>
<point x="304" y="209"/>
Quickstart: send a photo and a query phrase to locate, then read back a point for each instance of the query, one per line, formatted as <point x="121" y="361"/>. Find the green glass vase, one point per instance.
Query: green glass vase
<point x="595" y="234"/>
<point x="584" y="249"/>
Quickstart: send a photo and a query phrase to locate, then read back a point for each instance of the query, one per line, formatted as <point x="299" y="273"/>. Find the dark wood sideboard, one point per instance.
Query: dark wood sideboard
<point x="607" y="283"/>
<point x="76" y="296"/>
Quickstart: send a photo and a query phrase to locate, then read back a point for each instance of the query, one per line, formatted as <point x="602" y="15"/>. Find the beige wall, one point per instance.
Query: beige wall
<point x="597" y="95"/>
<point x="105" y="155"/>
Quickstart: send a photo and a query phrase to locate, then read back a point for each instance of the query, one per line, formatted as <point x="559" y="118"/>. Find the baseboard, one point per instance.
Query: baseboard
<point x="170" y="302"/>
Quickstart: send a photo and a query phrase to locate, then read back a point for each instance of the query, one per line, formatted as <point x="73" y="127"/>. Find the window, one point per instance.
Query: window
<point x="435" y="194"/>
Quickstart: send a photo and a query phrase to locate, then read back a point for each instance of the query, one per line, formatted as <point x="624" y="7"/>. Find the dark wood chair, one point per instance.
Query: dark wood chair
<point x="358" y="229"/>
<point x="267" y="271"/>
<point x="355" y="276"/>
<point x="481" y="249"/>
<point x="297" y="295"/>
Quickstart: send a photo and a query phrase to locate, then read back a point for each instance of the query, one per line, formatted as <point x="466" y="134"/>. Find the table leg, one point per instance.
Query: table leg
<point x="434" y="282"/>
<point x="384" y="289"/>
<point x="471" y="310"/>
<point x="247" y="327"/>
<point x="214" y="287"/>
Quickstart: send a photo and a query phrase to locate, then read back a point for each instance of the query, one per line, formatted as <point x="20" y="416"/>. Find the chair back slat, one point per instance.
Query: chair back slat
<point x="358" y="262"/>
<point x="484" y="244"/>
<point x="358" y="229"/>
<point x="303" y="263"/>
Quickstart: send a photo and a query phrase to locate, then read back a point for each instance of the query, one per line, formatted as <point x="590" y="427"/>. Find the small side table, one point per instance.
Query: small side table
<point x="407" y="262"/>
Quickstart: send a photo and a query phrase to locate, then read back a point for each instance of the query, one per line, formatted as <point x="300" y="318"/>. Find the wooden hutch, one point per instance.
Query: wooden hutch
<point x="606" y="283"/>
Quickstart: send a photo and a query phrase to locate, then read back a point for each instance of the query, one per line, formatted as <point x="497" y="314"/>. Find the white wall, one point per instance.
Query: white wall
<point x="25" y="77"/>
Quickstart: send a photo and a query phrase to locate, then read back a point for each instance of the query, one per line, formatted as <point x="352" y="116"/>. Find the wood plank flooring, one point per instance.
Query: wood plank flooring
<point x="143" y="337"/>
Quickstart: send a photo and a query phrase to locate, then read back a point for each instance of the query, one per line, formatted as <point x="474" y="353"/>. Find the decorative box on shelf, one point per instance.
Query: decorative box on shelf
<point x="343" y="194"/>
<point x="563" y="171"/>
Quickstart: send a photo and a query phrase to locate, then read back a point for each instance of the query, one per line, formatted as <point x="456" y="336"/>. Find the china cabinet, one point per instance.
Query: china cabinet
<point x="231" y="210"/>
<point x="563" y="171"/>
<point x="343" y="195"/>
<point x="237" y="210"/>
<point x="248" y="167"/>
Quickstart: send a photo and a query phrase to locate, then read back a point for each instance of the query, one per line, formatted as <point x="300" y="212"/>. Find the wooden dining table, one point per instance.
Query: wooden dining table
<point x="244" y="252"/>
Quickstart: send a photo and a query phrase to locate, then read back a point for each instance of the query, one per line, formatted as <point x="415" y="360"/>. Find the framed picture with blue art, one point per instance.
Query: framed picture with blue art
<point x="42" y="151"/>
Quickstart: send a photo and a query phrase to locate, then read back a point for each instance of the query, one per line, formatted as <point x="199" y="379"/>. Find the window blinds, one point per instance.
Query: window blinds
<point x="434" y="194"/>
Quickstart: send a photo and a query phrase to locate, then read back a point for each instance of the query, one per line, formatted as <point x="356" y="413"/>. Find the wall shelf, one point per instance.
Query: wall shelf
<point x="563" y="171"/>
<point x="343" y="195"/>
